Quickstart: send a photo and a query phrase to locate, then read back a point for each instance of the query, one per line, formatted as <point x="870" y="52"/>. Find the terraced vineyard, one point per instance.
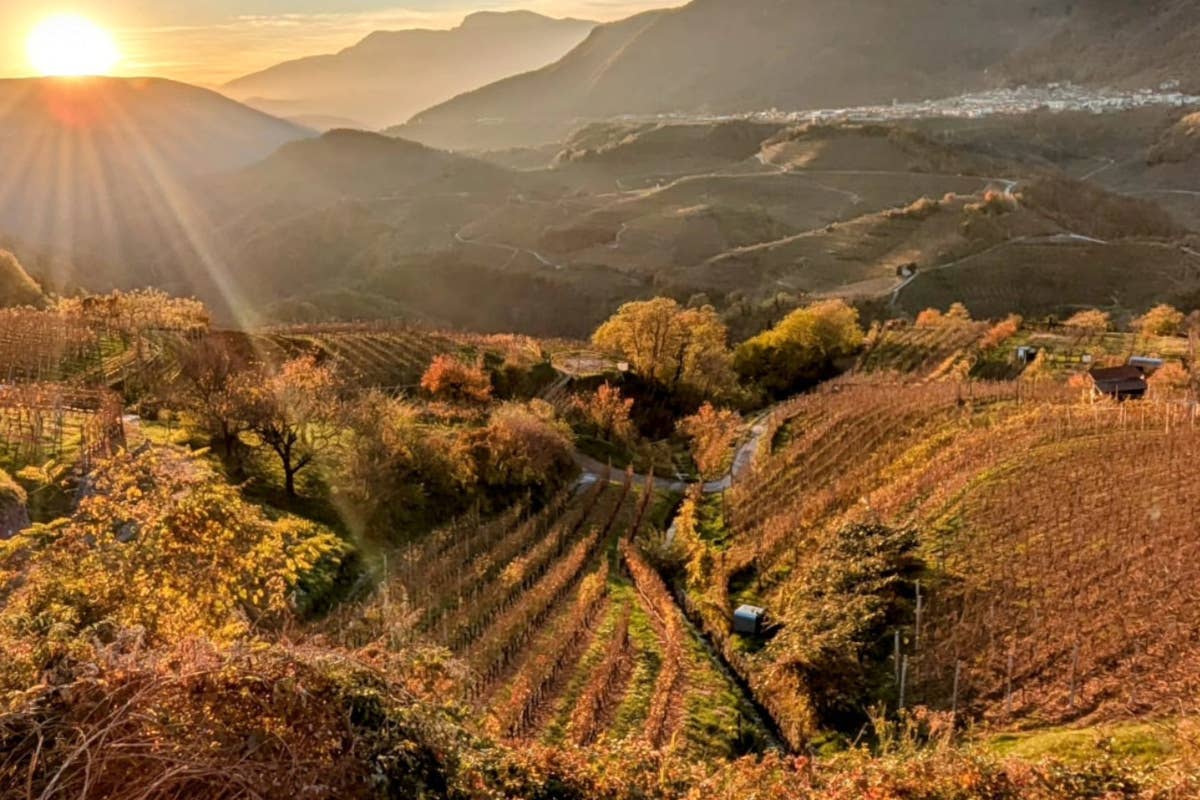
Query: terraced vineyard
<point x="385" y="356"/>
<point x="569" y="634"/>
<point x="44" y="422"/>
<point x="931" y="352"/>
<point x="1056" y="536"/>
<point x="1070" y="351"/>
<point x="45" y="346"/>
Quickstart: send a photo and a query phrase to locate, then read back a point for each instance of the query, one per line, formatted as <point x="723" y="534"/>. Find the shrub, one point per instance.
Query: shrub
<point x="451" y="378"/>
<point x="1001" y="332"/>
<point x="1162" y="320"/>
<point x="1172" y="377"/>
<point x="1090" y="320"/>
<point x="522" y="449"/>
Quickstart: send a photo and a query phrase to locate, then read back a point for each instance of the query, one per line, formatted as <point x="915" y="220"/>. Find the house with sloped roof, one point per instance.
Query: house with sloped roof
<point x="1120" y="383"/>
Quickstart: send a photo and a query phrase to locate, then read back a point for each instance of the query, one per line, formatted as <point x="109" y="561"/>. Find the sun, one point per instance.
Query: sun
<point x="70" y="45"/>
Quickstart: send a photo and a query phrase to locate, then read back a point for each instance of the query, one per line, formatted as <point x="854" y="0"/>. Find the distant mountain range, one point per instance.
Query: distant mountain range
<point x="391" y="75"/>
<point x="129" y="182"/>
<point x="729" y="56"/>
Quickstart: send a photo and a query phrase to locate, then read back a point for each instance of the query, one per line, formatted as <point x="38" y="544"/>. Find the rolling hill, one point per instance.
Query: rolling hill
<point x="16" y="287"/>
<point x="391" y="75"/>
<point x="90" y="161"/>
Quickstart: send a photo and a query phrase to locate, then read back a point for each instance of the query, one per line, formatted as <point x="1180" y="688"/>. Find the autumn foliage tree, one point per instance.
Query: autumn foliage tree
<point x="933" y="318"/>
<point x="160" y="544"/>
<point x="451" y="378"/>
<point x="606" y="414"/>
<point x="1091" y="319"/>
<point x="523" y="448"/>
<point x="684" y="350"/>
<point x="213" y="380"/>
<point x="294" y="411"/>
<point x="1162" y="320"/>
<point x="394" y="468"/>
<point x="712" y="433"/>
<point x="802" y="348"/>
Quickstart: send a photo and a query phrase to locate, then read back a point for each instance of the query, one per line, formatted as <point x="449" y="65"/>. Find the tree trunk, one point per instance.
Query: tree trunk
<point x="289" y="480"/>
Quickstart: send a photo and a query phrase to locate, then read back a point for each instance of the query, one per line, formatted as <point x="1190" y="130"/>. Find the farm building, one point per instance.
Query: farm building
<point x="1121" y="383"/>
<point x="749" y="620"/>
<point x="1147" y="364"/>
<point x="1026" y="354"/>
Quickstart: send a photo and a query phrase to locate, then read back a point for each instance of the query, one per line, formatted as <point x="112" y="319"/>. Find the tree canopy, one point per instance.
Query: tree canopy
<point x="682" y="349"/>
<point x="160" y="544"/>
<point x="802" y="348"/>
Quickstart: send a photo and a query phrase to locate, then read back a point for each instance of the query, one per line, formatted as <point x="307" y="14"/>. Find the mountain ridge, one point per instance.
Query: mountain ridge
<point x="718" y="57"/>
<point x="367" y="81"/>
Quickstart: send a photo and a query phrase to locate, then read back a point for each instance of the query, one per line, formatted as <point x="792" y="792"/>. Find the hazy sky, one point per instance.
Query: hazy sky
<point x="211" y="41"/>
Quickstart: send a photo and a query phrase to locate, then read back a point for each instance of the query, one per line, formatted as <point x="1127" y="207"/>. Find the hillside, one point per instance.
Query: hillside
<point x="89" y="159"/>
<point x="1038" y="213"/>
<point x="792" y="54"/>
<point x="375" y="82"/>
<point x="1011" y="623"/>
<point x="973" y="572"/>
<point x="16" y="287"/>
<point x="1107" y="42"/>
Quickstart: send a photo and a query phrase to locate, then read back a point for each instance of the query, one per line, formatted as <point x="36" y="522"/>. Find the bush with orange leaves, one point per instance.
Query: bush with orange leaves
<point x="1173" y="377"/>
<point x="1001" y="332"/>
<point x="606" y="414"/>
<point x="451" y="378"/>
<point x="712" y="433"/>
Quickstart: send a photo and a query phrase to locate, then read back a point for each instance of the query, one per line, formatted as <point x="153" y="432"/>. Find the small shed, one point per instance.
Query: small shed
<point x="749" y="620"/>
<point x="1147" y="364"/>
<point x="1026" y="354"/>
<point x="1121" y="383"/>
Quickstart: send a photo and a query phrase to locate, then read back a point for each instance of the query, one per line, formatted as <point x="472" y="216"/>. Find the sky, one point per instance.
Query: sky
<point x="209" y="42"/>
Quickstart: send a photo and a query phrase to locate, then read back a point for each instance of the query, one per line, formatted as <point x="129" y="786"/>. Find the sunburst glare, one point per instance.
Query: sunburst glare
<point x="69" y="45"/>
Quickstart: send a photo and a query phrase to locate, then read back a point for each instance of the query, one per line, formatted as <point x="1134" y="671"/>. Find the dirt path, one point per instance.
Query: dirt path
<point x="510" y="249"/>
<point x="593" y="469"/>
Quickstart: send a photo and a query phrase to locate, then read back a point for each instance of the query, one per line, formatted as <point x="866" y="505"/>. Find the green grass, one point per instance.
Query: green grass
<point x="1142" y="742"/>
<point x="556" y="732"/>
<point x="713" y="527"/>
<point x="635" y="705"/>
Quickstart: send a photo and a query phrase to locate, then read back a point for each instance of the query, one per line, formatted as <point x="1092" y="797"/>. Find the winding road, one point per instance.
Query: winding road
<point x="594" y="470"/>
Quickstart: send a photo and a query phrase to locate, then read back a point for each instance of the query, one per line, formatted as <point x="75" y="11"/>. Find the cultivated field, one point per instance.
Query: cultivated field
<point x="569" y="634"/>
<point x="1056" y="542"/>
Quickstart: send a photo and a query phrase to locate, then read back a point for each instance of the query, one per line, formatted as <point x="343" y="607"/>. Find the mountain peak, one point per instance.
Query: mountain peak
<point x="508" y="19"/>
<point x="389" y="75"/>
